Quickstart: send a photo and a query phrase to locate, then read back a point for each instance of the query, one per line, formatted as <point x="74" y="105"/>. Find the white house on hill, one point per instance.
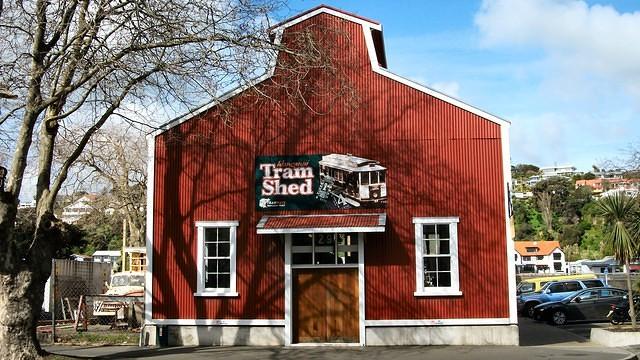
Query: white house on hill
<point x="539" y="257"/>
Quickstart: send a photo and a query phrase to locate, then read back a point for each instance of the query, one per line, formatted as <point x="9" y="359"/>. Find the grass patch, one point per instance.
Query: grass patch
<point x="99" y="338"/>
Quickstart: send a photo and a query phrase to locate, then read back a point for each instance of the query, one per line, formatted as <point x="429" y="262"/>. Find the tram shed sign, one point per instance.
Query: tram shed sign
<point x="319" y="182"/>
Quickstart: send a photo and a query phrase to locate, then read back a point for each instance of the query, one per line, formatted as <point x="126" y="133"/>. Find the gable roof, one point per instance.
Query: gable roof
<point x="543" y="247"/>
<point x="371" y="25"/>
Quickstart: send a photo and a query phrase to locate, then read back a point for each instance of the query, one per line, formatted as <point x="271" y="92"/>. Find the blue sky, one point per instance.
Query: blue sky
<point x="566" y="73"/>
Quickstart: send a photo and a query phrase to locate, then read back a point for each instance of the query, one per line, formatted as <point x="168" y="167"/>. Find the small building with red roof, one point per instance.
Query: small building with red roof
<point x="539" y="257"/>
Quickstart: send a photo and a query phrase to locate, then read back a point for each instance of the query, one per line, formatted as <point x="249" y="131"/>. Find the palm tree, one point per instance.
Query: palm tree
<point x="621" y="213"/>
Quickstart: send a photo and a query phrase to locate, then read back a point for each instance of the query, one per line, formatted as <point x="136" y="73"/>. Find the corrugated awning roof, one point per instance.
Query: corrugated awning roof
<point x="290" y="224"/>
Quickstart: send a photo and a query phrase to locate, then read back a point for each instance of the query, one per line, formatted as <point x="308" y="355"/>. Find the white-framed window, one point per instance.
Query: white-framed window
<point x="216" y="258"/>
<point x="437" y="256"/>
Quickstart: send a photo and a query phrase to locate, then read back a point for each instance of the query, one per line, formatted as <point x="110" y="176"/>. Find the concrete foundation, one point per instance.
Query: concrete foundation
<point x="615" y="338"/>
<point x="215" y="335"/>
<point x="443" y="335"/>
<point x="187" y="335"/>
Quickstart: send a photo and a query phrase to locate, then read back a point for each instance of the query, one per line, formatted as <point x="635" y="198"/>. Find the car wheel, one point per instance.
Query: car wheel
<point x="558" y="317"/>
<point x="528" y="310"/>
<point x="537" y="317"/>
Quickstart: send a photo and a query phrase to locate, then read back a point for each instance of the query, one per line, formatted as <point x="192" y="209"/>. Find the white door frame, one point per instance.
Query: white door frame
<point x="288" y="291"/>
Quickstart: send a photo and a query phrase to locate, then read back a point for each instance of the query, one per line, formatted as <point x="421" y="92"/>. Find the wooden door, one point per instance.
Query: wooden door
<point x="325" y="305"/>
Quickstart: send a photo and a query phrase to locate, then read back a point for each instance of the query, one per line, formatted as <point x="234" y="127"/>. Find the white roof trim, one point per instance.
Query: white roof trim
<point x="321" y="230"/>
<point x="446" y="98"/>
<point x="366" y="26"/>
<point x="382" y="220"/>
<point x="329" y="11"/>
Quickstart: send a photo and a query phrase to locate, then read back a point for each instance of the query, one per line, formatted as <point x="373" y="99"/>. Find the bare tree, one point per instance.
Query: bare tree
<point x="116" y="157"/>
<point x="544" y="204"/>
<point x="73" y="62"/>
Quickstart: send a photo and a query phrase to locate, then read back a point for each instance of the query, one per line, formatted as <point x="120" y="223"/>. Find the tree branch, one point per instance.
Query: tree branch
<point x="64" y="171"/>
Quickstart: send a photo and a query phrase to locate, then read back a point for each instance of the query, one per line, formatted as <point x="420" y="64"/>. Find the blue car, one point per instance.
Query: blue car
<point x="553" y="291"/>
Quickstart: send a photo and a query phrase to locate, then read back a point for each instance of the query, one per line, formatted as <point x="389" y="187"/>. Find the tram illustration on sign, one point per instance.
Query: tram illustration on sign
<point x="353" y="180"/>
<point x="329" y="182"/>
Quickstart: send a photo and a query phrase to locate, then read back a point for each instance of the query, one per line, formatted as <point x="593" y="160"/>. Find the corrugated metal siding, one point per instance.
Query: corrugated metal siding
<point x="441" y="160"/>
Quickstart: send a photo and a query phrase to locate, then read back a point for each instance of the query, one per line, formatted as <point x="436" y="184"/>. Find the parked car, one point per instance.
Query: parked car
<point x="536" y="284"/>
<point x="589" y="304"/>
<point x="123" y="284"/>
<point x="553" y="291"/>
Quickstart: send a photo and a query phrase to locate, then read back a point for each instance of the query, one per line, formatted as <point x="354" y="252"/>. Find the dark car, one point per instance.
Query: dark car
<point x="590" y="304"/>
<point x="553" y="291"/>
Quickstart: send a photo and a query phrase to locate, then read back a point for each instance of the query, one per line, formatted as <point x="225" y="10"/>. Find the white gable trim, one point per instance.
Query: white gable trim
<point x="329" y="11"/>
<point x="412" y="84"/>
<point x="366" y="28"/>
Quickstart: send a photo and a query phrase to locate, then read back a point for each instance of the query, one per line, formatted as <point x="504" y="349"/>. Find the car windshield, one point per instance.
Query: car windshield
<point x="127" y="280"/>
<point x="137" y="280"/>
<point x="524" y="287"/>
<point x="546" y="286"/>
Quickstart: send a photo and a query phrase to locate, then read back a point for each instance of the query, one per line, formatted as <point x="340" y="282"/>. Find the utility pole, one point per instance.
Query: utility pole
<point x="124" y="244"/>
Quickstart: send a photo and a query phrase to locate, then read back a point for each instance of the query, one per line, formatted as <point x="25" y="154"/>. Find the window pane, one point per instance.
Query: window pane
<point x="210" y="234"/>
<point x="224" y="280"/>
<point x="430" y="264"/>
<point x="223" y="234"/>
<point x="431" y="247"/>
<point x="364" y="178"/>
<point x="210" y="281"/>
<point x="430" y="279"/>
<point x="324" y="239"/>
<point x="302" y="239"/>
<point x="526" y="287"/>
<point x="429" y="231"/>
<point x="573" y="287"/>
<point x="592" y="283"/>
<point x="224" y="265"/>
<point x="302" y="258"/>
<point x="223" y="249"/>
<point x="347" y="239"/>
<point x="211" y="265"/>
<point x="210" y="250"/>
<point x="444" y="263"/>
<point x="382" y="176"/>
<point x="443" y="231"/>
<point x="325" y="258"/>
<point x="556" y="288"/>
<point x="444" y="246"/>
<point x="351" y="257"/>
<point x="444" y="279"/>
<point x="374" y="177"/>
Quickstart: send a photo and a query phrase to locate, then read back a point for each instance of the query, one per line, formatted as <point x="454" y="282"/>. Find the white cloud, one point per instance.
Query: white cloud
<point x="580" y="139"/>
<point x="581" y="43"/>
<point x="451" y="88"/>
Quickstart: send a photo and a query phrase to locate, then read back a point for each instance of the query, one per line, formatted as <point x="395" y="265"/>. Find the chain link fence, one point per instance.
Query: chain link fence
<point x="76" y="311"/>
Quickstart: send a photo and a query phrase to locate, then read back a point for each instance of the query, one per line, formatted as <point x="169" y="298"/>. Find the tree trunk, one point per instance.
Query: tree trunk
<point x="632" y="309"/>
<point x="18" y="295"/>
<point x="24" y="269"/>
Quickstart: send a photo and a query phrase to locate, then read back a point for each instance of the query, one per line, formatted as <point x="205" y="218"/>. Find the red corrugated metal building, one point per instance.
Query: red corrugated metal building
<point x="375" y="213"/>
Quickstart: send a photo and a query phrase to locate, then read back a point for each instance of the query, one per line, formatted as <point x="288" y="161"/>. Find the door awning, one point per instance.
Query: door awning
<point x="329" y="223"/>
